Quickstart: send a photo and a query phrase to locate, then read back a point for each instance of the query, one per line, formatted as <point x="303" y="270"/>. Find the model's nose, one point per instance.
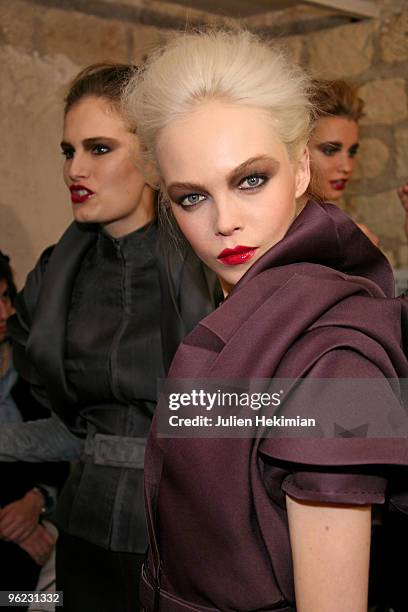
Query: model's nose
<point x="79" y="167"/>
<point x="346" y="163"/>
<point x="228" y="217"/>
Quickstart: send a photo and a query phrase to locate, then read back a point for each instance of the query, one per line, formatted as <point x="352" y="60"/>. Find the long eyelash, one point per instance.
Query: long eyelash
<point x="100" y="145"/>
<point x="181" y="199"/>
<point x="260" y="175"/>
<point x="329" y="147"/>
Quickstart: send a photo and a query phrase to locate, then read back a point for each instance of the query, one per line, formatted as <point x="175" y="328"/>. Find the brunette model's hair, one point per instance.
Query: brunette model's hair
<point x="6" y="274"/>
<point x="232" y="66"/>
<point x="101" y="80"/>
<point x="337" y="98"/>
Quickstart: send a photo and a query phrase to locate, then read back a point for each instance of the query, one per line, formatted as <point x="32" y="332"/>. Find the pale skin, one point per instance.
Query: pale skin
<point x="231" y="182"/>
<point x="102" y="155"/>
<point x="331" y="553"/>
<point x="333" y="148"/>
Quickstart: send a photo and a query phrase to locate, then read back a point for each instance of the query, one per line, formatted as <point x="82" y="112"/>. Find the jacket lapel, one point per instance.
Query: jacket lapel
<point x="46" y="343"/>
<point x="187" y="295"/>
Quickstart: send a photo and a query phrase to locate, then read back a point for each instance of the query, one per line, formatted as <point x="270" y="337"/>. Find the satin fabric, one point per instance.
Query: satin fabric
<point x="97" y="322"/>
<point x="316" y="305"/>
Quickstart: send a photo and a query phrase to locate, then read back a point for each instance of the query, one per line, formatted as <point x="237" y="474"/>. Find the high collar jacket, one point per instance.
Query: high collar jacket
<point x="314" y="306"/>
<point x="97" y="322"/>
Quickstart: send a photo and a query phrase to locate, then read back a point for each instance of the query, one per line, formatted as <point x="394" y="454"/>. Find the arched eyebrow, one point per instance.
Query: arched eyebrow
<point x="90" y="142"/>
<point x="332" y="143"/>
<point x="248" y="167"/>
<point x="269" y="163"/>
<point x="65" y="145"/>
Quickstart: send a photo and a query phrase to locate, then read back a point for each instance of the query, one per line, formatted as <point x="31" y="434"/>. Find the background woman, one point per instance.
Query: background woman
<point x="96" y="325"/>
<point x="263" y="523"/>
<point x="334" y="141"/>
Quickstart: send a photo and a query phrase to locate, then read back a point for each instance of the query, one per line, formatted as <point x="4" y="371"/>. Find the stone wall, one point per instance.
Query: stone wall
<point x="43" y="43"/>
<point x="373" y="54"/>
<point x="41" y="50"/>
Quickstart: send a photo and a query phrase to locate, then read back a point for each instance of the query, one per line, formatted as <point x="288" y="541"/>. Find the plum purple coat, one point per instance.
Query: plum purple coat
<point x="316" y="305"/>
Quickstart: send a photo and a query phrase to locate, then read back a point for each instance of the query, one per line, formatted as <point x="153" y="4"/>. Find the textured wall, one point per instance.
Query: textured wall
<point x="42" y="47"/>
<point x="374" y="55"/>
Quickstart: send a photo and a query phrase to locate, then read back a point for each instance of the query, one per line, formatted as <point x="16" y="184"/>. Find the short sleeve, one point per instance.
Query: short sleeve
<point x="350" y="465"/>
<point x="347" y="487"/>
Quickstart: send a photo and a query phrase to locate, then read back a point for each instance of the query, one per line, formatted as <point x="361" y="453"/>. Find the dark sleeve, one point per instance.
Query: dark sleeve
<point x="29" y="407"/>
<point x="360" y="434"/>
<point x="19" y="325"/>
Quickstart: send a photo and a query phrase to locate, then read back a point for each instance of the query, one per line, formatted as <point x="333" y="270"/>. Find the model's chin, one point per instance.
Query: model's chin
<point x="332" y="195"/>
<point x="232" y="275"/>
<point x="84" y="213"/>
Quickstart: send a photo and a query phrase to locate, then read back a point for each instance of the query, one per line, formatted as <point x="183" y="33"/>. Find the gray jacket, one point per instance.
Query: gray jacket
<point x="95" y="326"/>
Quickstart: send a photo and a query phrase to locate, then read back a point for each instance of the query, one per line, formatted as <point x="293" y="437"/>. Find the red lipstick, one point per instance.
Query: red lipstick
<point x="339" y="185"/>
<point x="80" y="194"/>
<point x="237" y="255"/>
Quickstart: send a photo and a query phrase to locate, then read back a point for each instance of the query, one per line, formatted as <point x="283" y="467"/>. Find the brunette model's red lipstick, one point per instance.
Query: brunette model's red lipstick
<point x="237" y="255"/>
<point x="339" y="185"/>
<point x="80" y="194"/>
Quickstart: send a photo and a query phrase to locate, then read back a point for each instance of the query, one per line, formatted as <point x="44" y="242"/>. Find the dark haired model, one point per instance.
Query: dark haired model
<point x="95" y="326"/>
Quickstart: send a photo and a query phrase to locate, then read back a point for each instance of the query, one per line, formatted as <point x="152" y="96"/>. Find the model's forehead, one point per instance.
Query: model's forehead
<point x="93" y="115"/>
<point x="219" y="135"/>
<point x="336" y="129"/>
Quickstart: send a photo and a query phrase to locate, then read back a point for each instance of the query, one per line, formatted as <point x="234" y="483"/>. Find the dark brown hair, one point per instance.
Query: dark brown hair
<point x="6" y="274"/>
<point x="102" y="80"/>
<point x="336" y="98"/>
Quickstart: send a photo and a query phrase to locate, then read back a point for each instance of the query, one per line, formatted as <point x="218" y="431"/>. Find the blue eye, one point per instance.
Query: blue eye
<point x="100" y="149"/>
<point x="252" y="182"/>
<point x="190" y="200"/>
<point x="329" y="150"/>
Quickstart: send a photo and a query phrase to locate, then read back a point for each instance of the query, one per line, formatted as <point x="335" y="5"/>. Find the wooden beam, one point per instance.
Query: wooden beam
<point x="356" y="8"/>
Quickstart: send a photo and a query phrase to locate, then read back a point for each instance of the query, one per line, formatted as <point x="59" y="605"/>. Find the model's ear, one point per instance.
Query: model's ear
<point x="303" y="174"/>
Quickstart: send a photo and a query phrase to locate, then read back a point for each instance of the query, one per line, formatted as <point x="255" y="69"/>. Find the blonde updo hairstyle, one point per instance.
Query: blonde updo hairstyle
<point x="232" y="66"/>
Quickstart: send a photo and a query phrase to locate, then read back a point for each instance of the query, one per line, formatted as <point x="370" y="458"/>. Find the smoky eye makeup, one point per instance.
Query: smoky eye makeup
<point x="262" y="168"/>
<point x="329" y="148"/>
<point x="249" y="176"/>
<point x="186" y="195"/>
<point x="99" y="145"/>
<point x="353" y="150"/>
<point x="191" y="200"/>
<point x="253" y="181"/>
<point x="99" y="148"/>
<point x="67" y="150"/>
